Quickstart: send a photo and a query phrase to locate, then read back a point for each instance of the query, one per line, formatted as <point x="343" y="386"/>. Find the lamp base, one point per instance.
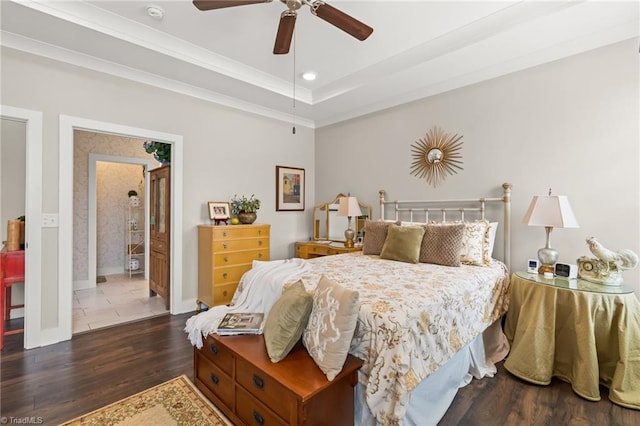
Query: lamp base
<point x="545" y="268"/>
<point x="348" y="236"/>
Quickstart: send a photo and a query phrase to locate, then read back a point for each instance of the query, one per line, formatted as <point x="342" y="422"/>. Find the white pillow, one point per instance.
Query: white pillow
<point x="475" y="243"/>
<point x="492" y="236"/>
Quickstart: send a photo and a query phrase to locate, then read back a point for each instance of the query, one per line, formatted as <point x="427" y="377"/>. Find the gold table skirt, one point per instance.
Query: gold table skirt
<point x="581" y="337"/>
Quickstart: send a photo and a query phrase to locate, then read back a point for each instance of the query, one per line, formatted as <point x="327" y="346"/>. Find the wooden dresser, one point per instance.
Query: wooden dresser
<point x="311" y="249"/>
<point x="236" y="374"/>
<point x="225" y="253"/>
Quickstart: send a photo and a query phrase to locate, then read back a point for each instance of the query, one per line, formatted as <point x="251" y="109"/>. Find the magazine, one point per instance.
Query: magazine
<point x="241" y="323"/>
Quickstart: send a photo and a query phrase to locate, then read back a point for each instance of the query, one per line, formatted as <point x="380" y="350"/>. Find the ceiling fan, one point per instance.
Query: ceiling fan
<point x="319" y="8"/>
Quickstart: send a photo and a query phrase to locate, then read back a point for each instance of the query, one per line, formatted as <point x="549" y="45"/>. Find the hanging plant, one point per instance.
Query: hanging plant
<point x="161" y="151"/>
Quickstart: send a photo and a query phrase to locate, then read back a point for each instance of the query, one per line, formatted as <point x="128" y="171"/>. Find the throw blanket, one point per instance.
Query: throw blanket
<point x="257" y="291"/>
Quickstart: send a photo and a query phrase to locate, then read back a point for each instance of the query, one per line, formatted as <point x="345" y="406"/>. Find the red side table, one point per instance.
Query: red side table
<point x="11" y="272"/>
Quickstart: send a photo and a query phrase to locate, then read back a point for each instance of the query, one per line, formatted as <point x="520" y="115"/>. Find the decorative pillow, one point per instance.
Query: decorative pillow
<point x="475" y="244"/>
<point x="286" y="321"/>
<point x="403" y="243"/>
<point x="442" y="244"/>
<point x="331" y="326"/>
<point x="375" y="233"/>
<point x="492" y="236"/>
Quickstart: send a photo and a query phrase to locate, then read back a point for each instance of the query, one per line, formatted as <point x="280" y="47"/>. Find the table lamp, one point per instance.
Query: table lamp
<point x="550" y="211"/>
<point x="349" y="207"/>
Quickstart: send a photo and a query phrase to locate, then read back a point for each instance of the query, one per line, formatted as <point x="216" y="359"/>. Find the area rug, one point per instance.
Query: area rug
<point x="176" y="402"/>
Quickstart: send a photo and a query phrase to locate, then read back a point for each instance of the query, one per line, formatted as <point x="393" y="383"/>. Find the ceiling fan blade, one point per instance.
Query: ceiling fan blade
<point x="341" y="20"/>
<point x="219" y="4"/>
<point x="285" y="32"/>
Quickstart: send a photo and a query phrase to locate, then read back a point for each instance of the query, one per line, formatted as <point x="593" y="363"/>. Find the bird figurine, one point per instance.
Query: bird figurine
<point x="623" y="259"/>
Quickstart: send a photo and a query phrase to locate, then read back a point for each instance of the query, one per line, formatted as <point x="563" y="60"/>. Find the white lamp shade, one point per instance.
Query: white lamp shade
<point x="349" y="207"/>
<point x="550" y="210"/>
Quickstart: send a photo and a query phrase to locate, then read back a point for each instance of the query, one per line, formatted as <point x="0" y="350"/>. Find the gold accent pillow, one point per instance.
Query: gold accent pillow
<point x="375" y="234"/>
<point x="442" y="244"/>
<point x="403" y="243"/>
<point x="475" y="244"/>
<point x="332" y="322"/>
<point x="286" y="321"/>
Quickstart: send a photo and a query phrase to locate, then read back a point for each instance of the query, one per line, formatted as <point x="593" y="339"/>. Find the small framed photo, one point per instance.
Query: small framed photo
<point x="219" y="210"/>
<point x="289" y="189"/>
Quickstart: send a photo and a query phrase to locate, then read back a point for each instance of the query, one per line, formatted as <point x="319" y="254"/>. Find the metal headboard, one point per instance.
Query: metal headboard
<point x="420" y="211"/>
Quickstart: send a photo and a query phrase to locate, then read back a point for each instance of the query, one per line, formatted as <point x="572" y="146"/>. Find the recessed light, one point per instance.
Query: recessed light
<point x="156" y="12"/>
<point x="309" y="75"/>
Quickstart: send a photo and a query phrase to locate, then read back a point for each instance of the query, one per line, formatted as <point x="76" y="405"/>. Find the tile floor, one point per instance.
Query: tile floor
<point x="120" y="299"/>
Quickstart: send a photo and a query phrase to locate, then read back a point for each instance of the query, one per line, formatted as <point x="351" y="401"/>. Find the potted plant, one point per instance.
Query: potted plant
<point x="161" y="151"/>
<point x="245" y="208"/>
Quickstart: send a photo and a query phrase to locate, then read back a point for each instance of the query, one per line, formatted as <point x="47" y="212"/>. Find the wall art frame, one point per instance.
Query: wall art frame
<point x="290" y="188"/>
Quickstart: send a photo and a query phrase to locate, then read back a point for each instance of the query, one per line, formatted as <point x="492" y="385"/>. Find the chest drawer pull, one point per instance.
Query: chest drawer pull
<point x="224" y="293"/>
<point x="258" y="382"/>
<point x="260" y="255"/>
<point x="226" y="259"/>
<point x="258" y="418"/>
<point x="259" y="242"/>
<point x="224" y="234"/>
<point x="225" y="275"/>
<point x="214" y="349"/>
<point x="214" y="379"/>
<point x="259" y="231"/>
<point x="224" y="246"/>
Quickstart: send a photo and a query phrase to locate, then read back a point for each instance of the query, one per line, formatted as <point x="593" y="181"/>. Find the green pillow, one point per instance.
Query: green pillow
<point x="403" y="243"/>
<point x="286" y="321"/>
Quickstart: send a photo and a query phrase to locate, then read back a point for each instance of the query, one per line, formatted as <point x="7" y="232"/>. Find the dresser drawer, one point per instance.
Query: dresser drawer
<point x="240" y="244"/>
<point x="229" y="274"/>
<point x="215" y="380"/>
<point x="252" y="412"/>
<point x="234" y="232"/>
<point x="218" y="354"/>
<point x="266" y="389"/>
<point x="157" y="245"/>
<point x="239" y="257"/>
<point x="223" y="294"/>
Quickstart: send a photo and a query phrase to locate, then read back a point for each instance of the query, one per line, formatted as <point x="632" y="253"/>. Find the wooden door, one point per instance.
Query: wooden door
<point x="159" y="233"/>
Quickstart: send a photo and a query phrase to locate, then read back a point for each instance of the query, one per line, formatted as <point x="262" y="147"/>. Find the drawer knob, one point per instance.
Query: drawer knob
<point x="258" y="382"/>
<point x="259" y="231"/>
<point x="224" y="246"/>
<point x="259" y="242"/>
<point x="224" y="233"/>
<point x="259" y="255"/>
<point x="258" y="418"/>
<point x="224" y="293"/>
<point x="225" y="275"/>
<point x="214" y="349"/>
<point x="214" y="379"/>
<point x="225" y="259"/>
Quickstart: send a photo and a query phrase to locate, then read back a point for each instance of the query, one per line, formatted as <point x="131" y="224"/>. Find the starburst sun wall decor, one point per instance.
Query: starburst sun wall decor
<point x="436" y="155"/>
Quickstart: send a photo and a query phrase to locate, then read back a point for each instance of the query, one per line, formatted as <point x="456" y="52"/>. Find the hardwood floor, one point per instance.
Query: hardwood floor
<point x="65" y="380"/>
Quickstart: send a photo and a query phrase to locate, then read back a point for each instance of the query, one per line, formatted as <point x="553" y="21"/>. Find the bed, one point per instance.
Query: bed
<point x="423" y="329"/>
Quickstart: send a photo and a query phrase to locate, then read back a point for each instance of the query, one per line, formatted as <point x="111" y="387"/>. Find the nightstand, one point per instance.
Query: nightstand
<point x="581" y="332"/>
<point x="311" y="249"/>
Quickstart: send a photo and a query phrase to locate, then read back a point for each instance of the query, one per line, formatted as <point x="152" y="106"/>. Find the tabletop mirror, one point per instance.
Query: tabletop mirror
<point x="328" y="226"/>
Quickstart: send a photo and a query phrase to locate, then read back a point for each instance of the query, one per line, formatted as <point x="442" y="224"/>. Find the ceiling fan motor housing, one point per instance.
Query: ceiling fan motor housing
<point x="293" y="4"/>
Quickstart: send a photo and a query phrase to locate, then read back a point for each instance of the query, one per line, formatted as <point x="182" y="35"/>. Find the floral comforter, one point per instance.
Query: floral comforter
<point x="413" y="319"/>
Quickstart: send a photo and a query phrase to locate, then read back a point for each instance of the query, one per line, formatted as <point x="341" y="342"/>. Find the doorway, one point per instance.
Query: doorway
<point x="106" y="289"/>
<point x="33" y="333"/>
<point x="67" y="127"/>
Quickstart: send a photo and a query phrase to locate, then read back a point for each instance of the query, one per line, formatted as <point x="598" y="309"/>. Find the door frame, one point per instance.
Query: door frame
<point x="92" y="215"/>
<point x="33" y="334"/>
<point x="67" y="124"/>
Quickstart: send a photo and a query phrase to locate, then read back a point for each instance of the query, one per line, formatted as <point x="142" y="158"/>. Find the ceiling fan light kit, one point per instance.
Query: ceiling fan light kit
<point x="318" y="8"/>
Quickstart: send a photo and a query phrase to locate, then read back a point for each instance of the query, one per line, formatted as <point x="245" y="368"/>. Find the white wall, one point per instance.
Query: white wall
<point x="570" y="125"/>
<point x="225" y="151"/>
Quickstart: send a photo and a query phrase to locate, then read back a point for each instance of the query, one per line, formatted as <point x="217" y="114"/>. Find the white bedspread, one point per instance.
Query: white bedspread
<point x="257" y="291"/>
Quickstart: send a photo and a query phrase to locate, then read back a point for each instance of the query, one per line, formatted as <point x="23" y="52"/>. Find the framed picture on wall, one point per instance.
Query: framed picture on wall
<point x="219" y="210"/>
<point x="289" y="189"/>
